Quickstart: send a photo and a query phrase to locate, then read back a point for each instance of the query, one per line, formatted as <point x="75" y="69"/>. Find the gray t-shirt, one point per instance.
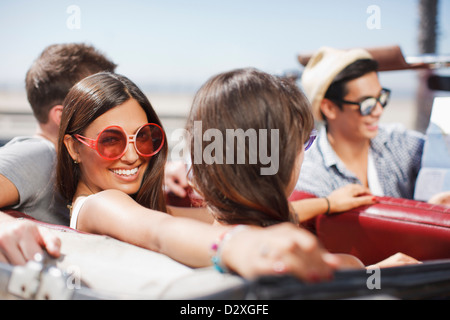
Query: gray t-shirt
<point x="29" y="163"/>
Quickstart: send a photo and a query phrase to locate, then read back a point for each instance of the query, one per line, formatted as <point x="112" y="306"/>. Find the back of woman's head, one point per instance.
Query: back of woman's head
<point x="241" y="104"/>
<point x="86" y="101"/>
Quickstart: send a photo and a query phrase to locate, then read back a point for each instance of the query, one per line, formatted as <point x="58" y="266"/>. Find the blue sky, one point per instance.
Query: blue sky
<point x="182" y="43"/>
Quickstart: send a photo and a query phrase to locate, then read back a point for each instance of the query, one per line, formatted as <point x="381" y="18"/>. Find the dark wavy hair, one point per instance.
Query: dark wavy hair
<point x="85" y="102"/>
<point x="249" y="99"/>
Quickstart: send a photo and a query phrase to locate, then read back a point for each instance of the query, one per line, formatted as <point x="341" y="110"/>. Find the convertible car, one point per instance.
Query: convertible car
<point x="98" y="267"/>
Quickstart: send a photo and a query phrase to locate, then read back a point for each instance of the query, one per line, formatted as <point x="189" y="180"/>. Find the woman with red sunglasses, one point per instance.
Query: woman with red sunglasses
<point x="111" y="156"/>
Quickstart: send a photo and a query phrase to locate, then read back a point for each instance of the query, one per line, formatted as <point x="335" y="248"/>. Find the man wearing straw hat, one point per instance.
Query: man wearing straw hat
<point x="352" y="146"/>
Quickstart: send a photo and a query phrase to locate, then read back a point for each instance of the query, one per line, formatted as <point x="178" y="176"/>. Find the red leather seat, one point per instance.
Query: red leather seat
<point x="190" y="200"/>
<point x="18" y="214"/>
<point x="373" y="233"/>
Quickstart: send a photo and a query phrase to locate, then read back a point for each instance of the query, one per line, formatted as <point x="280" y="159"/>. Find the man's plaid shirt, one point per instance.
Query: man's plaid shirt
<point x="397" y="154"/>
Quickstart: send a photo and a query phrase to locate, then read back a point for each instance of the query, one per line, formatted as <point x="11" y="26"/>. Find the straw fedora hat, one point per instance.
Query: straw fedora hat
<point x="321" y="70"/>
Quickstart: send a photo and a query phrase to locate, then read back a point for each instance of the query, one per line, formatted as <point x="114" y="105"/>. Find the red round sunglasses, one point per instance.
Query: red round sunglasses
<point x="112" y="142"/>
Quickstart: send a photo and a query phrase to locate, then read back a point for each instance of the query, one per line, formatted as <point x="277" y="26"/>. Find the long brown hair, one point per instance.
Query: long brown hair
<point x="85" y="102"/>
<point x="249" y="99"/>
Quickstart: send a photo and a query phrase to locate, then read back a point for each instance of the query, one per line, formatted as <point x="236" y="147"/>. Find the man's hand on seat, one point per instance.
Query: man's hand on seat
<point x="175" y="178"/>
<point x="442" y="198"/>
<point x="20" y="240"/>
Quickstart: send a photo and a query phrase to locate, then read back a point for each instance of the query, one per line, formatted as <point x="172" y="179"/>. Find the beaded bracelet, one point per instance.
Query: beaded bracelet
<point x="217" y="247"/>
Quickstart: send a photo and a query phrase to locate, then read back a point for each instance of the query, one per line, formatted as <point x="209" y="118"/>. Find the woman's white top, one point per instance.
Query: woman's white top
<point x="76" y="210"/>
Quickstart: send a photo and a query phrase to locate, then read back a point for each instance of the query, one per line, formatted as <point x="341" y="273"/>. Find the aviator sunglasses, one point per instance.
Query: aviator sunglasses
<point x="112" y="142"/>
<point x="367" y="105"/>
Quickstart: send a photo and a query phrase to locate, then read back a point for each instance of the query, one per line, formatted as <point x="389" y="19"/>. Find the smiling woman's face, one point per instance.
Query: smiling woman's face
<point x="124" y="174"/>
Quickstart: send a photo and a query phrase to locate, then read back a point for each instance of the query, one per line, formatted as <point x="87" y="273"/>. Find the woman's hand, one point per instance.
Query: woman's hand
<point x="280" y="249"/>
<point x="349" y="197"/>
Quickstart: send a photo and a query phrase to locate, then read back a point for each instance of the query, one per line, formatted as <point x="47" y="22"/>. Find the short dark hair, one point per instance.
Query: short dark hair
<point x="56" y="70"/>
<point x="338" y="90"/>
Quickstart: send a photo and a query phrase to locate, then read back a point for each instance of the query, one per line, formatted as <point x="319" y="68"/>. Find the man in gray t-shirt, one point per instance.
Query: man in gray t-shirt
<point x="28" y="163"/>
